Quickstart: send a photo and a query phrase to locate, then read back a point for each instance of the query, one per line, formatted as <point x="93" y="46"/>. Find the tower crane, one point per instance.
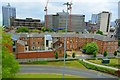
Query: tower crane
<point x="46" y="16"/>
<point x="70" y="16"/>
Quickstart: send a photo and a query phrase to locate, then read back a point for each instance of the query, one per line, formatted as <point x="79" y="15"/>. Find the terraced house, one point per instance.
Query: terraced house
<point x="33" y="43"/>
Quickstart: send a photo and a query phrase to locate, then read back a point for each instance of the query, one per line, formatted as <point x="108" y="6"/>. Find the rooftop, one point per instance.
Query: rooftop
<point x="95" y="36"/>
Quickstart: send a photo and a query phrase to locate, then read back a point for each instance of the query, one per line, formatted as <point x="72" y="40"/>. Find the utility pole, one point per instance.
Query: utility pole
<point x="68" y="5"/>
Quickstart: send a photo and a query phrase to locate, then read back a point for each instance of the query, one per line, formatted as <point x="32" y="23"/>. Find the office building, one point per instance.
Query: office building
<point x="104" y="22"/>
<point x="28" y="22"/>
<point x="7" y="12"/>
<point x="94" y="18"/>
<point x="117" y="29"/>
<point x="75" y="24"/>
<point x="119" y="10"/>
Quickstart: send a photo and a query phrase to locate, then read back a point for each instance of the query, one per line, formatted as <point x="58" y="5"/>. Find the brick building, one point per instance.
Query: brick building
<point x="32" y="42"/>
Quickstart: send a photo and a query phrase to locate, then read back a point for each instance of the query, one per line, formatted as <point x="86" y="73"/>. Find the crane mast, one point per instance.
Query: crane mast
<point x="46" y="16"/>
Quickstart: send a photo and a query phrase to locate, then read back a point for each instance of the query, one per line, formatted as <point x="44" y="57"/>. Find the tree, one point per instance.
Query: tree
<point x="118" y="42"/>
<point x="99" y="32"/>
<point x="22" y="29"/>
<point x="35" y="30"/>
<point x="49" y="30"/>
<point x="90" y="47"/>
<point x="43" y="29"/>
<point x="94" y="53"/>
<point x="65" y="55"/>
<point x="56" y="55"/>
<point x="105" y="53"/>
<point x="9" y="65"/>
<point x="73" y="55"/>
<point x="115" y="53"/>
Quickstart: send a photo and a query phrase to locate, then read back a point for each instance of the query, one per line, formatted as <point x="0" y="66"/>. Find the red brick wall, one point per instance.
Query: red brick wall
<point x="49" y="54"/>
<point x="20" y="48"/>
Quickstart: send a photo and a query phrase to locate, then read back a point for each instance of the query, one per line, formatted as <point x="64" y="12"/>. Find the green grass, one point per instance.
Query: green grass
<point x="45" y="76"/>
<point x="72" y="64"/>
<point x="113" y="62"/>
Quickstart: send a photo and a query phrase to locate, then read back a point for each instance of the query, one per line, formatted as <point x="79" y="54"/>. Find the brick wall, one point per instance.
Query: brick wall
<point x="48" y="54"/>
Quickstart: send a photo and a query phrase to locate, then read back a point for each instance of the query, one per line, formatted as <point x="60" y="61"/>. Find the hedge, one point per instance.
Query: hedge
<point x="98" y="68"/>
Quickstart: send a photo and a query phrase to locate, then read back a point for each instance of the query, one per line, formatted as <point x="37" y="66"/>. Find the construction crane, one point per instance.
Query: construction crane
<point x="70" y="16"/>
<point x="46" y="16"/>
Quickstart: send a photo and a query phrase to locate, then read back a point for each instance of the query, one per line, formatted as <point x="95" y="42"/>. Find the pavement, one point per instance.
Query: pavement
<point x="59" y="70"/>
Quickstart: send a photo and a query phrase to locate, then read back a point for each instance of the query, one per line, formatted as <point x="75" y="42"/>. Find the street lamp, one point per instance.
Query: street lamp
<point x="68" y="7"/>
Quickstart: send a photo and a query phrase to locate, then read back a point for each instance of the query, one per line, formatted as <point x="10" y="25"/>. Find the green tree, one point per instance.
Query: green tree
<point x="118" y="42"/>
<point x="105" y="53"/>
<point x="90" y="47"/>
<point x="56" y="55"/>
<point x="9" y="65"/>
<point x="73" y="55"/>
<point x="22" y="29"/>
<point x="65" y="55"/>
<point x="99" y="32"/>
<point x="94" y="53"/>
<point x="43" y="29"/>
<point x="35" y="30"/>
<point x="115" y="53"/>
<point x="49" y="30"/>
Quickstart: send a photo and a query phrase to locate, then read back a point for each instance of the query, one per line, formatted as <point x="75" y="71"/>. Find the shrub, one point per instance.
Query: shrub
<point x="73" y="55"/>
<point x="89" y="48"/>
<point x="65" y="55"/>
<point x="94" y="53"/>
<point x="115" y="53"/>
<point x="56" y="55"/>
<point x="105" y="54"/>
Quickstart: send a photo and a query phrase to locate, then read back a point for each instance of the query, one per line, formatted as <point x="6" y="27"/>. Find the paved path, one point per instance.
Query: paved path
<point x="59" y="70"/>
<point x="116" y="69"/>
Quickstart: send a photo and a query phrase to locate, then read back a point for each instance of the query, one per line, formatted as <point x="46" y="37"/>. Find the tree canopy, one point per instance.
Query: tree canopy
<point x="9" y="65"/>
<point x="90" y="48"/>
<point x="22" y="29"/>
<point x="99" y="32"/>
<point x="56" y="55"/>
<point x="105" y="53"/>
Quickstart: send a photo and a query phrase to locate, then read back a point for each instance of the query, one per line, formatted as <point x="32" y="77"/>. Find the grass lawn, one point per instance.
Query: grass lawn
<point x="45" y="76"/>
<point x="73" y="64"/>
<point x="113" y="62"/>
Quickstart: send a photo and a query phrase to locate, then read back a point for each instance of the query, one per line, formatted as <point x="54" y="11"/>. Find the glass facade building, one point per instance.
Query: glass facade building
<point x="7" y="12"/>
<point x="119" y="10"/>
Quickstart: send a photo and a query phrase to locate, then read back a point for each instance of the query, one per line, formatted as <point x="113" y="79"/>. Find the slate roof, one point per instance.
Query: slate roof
<point x="95" y="36"/>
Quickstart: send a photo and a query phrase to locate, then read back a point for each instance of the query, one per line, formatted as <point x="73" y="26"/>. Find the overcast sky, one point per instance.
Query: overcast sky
<point x="35" y="8"/>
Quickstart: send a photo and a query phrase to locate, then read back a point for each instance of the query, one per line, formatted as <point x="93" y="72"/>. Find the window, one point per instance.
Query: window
<point x="60" y="51"/>
<point x="13" y="49"/>
<point x="70" y="40"/>
<point x="70" y="46"/>
<point x="26" y="43"/>
<point x="26" y="48"/>
<point x="33" y="47"/>
<point x="33" y="43"/>
<point x="47" y="43"/>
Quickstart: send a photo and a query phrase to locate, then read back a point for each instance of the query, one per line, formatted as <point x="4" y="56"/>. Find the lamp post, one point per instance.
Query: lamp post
<point x="68" y="5"/>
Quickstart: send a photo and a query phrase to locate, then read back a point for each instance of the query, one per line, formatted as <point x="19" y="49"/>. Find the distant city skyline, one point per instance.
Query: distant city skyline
<point x="35" y="9"/>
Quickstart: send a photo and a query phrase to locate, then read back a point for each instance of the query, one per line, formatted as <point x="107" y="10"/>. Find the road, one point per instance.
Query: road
<point x="70" y="71"/>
